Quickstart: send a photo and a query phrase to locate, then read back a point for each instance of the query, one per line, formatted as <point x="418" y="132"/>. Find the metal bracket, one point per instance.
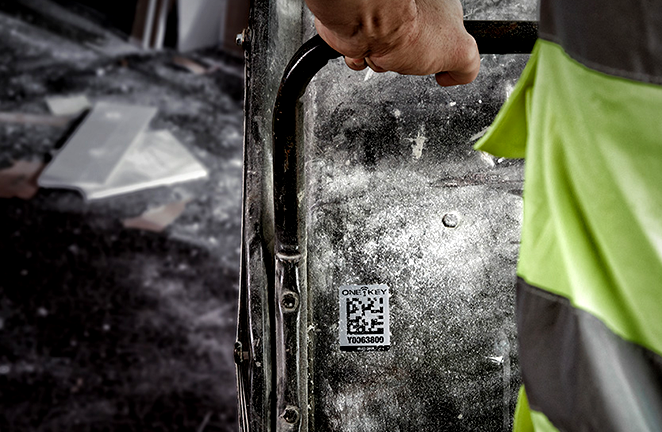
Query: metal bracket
<point x="239" y="354"/>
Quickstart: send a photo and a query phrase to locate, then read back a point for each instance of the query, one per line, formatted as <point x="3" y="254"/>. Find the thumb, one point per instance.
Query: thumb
<point x="447" y="79"/>
<point x="468" y="70"/>
<point x="356" y="64"/>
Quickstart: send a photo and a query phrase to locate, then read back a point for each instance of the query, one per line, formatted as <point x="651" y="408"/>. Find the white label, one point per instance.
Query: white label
<point x="364" y="318"/>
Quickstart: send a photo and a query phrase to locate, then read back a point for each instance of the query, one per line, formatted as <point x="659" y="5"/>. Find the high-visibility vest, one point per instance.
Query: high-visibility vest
<point x="587" y="115"/>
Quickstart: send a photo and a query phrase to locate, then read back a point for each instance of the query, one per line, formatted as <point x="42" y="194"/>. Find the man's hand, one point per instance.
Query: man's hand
<point x="413" y="37"/>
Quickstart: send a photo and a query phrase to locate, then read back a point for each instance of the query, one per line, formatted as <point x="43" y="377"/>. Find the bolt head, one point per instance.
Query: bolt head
<point x="450" y="220"/>
<point x="291" y="414"/>
<point x="290" y="301"/>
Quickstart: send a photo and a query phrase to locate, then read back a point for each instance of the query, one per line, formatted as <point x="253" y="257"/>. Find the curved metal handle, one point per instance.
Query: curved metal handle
<point x="308" y="60"/>
<point x="492" y="37"/>
<point x="503" y="37"/>
<point x="289" y="310"/>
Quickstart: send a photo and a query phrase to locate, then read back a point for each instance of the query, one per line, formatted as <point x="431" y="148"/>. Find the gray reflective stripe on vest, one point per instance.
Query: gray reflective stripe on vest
<point x="579" y="374"/>
<point x="621" y="38"/>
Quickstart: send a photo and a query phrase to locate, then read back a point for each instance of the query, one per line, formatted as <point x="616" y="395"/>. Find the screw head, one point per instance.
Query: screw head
<point x="239" y="39"/>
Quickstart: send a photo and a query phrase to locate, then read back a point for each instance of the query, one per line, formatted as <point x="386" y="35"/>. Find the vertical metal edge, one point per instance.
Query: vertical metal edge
<point x="254" y="364"/>
<point x="291" y="343"/>
<point x="244" y="345"/>
<point x="286" y="340"/>
<point x="275" y="29"/>
<point x="308" y="136"/>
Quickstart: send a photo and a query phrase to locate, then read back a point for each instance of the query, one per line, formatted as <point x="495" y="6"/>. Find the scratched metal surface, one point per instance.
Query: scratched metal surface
<point x="396" y="195"/>
<point x="387" y="157"/>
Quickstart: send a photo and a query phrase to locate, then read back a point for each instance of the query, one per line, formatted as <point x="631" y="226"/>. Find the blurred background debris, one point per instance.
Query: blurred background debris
<point x="118" y="314"/>
<point x="110" y="153"/>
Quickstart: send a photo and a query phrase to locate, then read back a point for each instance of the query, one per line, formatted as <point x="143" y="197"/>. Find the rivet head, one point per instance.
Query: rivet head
<point x="290" y="301"/>
<point x="239" y="39"/>
<point x="450" y="220"/>
<point x="291" y="414"/>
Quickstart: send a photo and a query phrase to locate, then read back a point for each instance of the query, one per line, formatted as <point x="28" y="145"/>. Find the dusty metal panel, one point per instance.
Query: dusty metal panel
<point x="397" y="196"/>
<point x="391" y="194"/>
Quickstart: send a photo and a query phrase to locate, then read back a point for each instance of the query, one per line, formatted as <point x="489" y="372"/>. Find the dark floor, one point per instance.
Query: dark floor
<point x="104" y="328"/>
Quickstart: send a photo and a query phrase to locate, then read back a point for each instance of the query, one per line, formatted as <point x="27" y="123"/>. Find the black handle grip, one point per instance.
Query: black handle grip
<point x="503" y="37"/>
<point x="308" y="60"/>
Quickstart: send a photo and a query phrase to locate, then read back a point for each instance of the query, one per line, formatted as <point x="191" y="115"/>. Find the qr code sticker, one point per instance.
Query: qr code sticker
<point x="365" y="315"/>
<point x="364" y="318"/>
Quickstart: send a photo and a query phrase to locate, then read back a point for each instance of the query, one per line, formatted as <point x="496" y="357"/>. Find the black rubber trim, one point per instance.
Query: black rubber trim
<point x="579" y="373"/>
<point x="620" y="38"/>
